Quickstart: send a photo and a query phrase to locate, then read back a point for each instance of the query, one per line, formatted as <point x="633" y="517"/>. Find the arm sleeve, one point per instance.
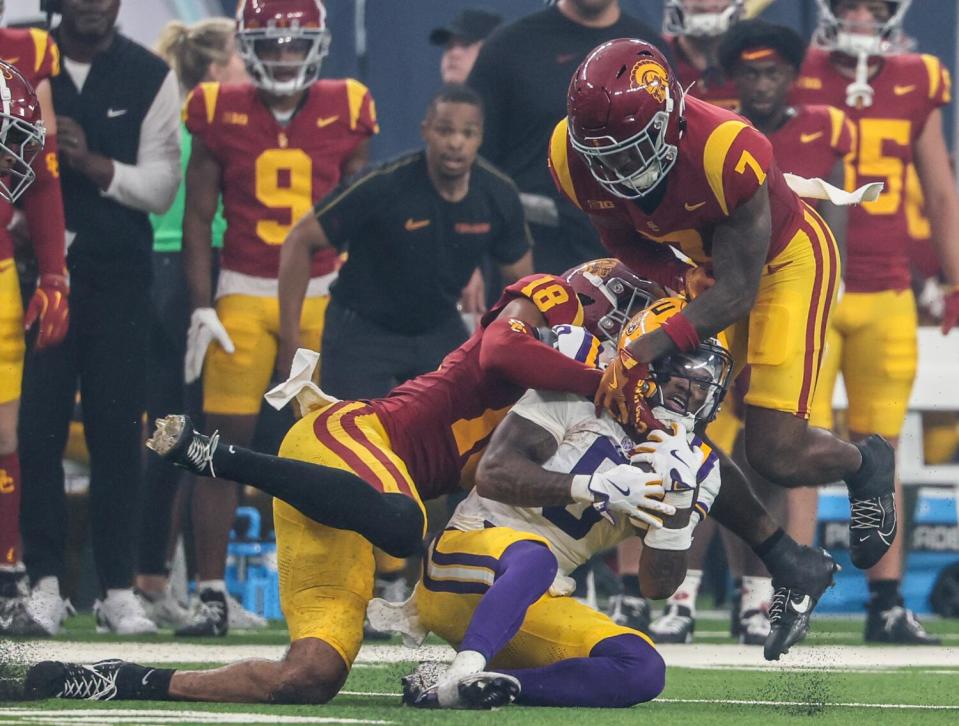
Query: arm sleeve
<point x="345" y="210"/>
<point x="547" y="409"/>
<point x="514" y="239"/>
<point x="150" y="185"/>
<point x="43" y="207"/>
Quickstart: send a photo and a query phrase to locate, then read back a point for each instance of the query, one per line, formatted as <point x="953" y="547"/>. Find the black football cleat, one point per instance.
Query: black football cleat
<point x="178" y="442"/>
<point x="793" y="603"/>
<point x="872" y="503"/>
<point x="53" y="679"/>
<point x="631" y="611"/>
<point x="897" y="625"/>
<point x="487" y="690"/>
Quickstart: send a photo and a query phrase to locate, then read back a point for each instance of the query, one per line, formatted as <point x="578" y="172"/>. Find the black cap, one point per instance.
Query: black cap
<point x="472" y="25"/>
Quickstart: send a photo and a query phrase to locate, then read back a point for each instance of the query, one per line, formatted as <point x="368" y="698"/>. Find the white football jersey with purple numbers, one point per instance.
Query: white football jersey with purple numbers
<point x="586" y="445"/>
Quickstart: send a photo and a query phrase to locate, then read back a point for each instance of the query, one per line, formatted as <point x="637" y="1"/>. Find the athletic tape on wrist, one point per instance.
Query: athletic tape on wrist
<point x="675" y="540"/>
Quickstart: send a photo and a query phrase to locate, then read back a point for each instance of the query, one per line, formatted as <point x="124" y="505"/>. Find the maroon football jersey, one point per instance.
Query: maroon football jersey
<point x="35" y="55"/>
<point x="712" y="86"/>
<point x="908" y="88"/>
<point x="811" y="142"/>
<point x="439" y="423"/>
<point x="273" y="174"/>
<point x="722" y="162"/>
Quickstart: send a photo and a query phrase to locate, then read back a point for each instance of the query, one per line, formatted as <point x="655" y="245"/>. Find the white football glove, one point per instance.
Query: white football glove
<point x="205" y="327"/>
<point x="626" y="490"/>
<point x="673" y="460"/>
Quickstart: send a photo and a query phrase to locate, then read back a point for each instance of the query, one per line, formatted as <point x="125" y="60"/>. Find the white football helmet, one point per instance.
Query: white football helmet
<point x="879" y="38"/>
<point x="701" y="18"/>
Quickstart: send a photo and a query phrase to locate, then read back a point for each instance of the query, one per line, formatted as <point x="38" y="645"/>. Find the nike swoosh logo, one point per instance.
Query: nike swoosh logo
<point x="677" y="456"/>
<point x="144" y="681"/>
<point x="414" y="224"/>
<point x="321" y="122"/>
<point x="903" y="90"/>
<point x="115" y="112"/>
<point x="692" y="207"/>
<point x="617" y="487"/>
<point x="807" y="138"/>
<point x="776" y="268"/>
<point x="801" y="607"/>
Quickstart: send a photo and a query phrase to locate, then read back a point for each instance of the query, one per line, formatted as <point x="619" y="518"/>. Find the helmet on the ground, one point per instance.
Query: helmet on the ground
<point x="625" y="113"/>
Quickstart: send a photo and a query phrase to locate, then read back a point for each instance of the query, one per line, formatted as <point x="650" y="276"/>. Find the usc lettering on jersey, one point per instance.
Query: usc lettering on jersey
<point x="439" y="423"/>
<point x="908" y="88"/>
<point x="273" y="174"/>
<point x="37" y="57"/>
<point x="811" y="142"/>
<point x="722" y="162"/>
<point x="712" y="87"/>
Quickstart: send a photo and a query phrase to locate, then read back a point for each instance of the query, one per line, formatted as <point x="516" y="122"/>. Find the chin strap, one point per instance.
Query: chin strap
<point x="859" y="93"/>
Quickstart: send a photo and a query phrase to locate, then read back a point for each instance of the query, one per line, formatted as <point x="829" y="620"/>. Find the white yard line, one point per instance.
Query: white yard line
<point x="698" y="655"/>
<point x="157" y="716"/>
<point x="806" y="704"/>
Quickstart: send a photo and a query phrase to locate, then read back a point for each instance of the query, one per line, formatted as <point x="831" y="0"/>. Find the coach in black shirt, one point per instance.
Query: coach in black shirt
<point x="415" y="229"/>
<point x="522" y="73"/>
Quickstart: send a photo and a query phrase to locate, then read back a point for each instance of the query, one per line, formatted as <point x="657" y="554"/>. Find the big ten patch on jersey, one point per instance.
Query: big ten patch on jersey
<point x="272" y="173"/>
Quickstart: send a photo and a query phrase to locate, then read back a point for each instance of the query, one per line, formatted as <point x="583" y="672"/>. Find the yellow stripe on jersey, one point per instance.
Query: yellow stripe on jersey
<point x="40" y="40"/>
<point x="836" y="118"/>
<point x="468" y="432"/>
<point x="560" y="163"/>
<point x="210" y="91"/>
<point x="355" y="93"/>
<point x="714" y="157"/>
<point x="935" y="73"/>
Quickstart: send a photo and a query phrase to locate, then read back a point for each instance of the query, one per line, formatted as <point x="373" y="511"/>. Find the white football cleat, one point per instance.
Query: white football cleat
<point x="46" y="608"/>
<point x="163" y="609"/>
<point x="239" y="618"/>
<point x="122" y="613"/>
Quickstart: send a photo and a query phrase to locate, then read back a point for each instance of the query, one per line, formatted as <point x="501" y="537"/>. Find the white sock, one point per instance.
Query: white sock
<point x="688" y="591"/>
<point x="218" y="585"/>
<point x="117" y="591"/>
<point x="465" y="663"/>
<point x="757" y="594"/>
<point x="49" y="585"/>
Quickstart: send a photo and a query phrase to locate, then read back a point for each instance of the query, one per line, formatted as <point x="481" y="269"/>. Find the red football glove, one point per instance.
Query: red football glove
<point x="950" y="313"/>
<point x="49" y="305"/>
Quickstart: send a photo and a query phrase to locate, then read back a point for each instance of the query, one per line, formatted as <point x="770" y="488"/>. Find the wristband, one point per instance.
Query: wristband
<point x="674" y="540"/>
<point x="681" y="332"/>
<point x="579" y="489"/>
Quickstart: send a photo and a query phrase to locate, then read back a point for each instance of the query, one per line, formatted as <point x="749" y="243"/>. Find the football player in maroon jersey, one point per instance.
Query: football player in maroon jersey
<point x="271" y="147"/>
<point x="22" y="142"/>
<point x="35" y="57"/>
<point x="659" y="171"/>
<point x="894" y="99"/>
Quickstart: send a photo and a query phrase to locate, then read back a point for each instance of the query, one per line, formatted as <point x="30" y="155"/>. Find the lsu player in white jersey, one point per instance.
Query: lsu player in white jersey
<point x="556" y="486"/>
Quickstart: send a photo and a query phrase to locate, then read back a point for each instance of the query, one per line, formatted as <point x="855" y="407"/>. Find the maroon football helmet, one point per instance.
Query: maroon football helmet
<point x="267" y="28"/>
<point x="610" y="295"/>
<point x="625" y="110"/>
<point x="21" y="132"/>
